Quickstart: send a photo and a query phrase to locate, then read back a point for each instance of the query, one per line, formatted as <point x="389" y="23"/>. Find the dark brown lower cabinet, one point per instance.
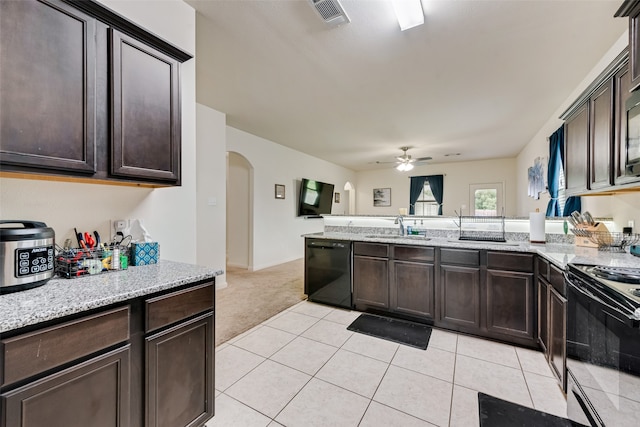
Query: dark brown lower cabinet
<point x="179" y="372"/>
<point x="459" y="290"/>
<point x="412" y="289"/>
<point x="370" y="282"/>
<point x="147" y="363"/>
<point x="94" y="393"/>
<point x="510" y="305"/>
<point x="558" y="335"/>
<point x="543" y="305"/>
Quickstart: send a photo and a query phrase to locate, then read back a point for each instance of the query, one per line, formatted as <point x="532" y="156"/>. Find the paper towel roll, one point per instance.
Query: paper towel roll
<point x="536" y="227"/>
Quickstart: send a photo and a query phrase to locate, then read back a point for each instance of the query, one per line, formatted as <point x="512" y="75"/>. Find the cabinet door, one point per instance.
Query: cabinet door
<point x="634" y="47"/>
<point x="510" y="303"/>
<point x="94" y="393"/>
<point x="179" y="374"/>
<point x="543" y="312"/>
<point x="576" y="139"/>
<point x="600" y="136"/>
<point x="145" y="97"/>
<point x="47" y="86"/>
<point x="622" y="84"/>
<point x="459" y="293"/>
<point x="370" y="282"/>
<point x="558" y="335"/>
<point x="412" y="289"/>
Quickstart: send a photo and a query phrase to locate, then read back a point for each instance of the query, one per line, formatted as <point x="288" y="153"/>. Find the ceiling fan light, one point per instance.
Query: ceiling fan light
<point x="409" y="13"/>
<point x="404" y="167"/>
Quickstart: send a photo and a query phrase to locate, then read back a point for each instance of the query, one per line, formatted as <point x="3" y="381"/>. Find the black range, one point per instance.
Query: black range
<point x="603" y="345"/>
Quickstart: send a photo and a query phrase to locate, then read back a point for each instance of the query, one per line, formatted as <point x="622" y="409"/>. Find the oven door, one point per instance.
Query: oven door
<point x="603" y="359"/>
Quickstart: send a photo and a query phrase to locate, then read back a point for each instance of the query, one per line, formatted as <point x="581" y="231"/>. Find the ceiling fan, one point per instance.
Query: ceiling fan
<point x="406" y="162"/>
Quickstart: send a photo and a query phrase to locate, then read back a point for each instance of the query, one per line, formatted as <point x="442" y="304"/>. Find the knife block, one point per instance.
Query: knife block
<point x="586" y="241"/>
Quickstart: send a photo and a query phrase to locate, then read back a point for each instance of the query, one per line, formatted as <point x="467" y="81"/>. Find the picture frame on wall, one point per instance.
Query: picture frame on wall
<point x="336" y="197"/>
<point x="280" y="191"/>
<point x="381" y="197"/>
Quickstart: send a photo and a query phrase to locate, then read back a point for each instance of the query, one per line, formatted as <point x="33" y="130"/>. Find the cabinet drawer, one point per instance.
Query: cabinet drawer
<point x="510" y="261"/>
<point x="413" y="253"/>
<point x="32" y="353"/>
<point x="167" y="309"/>
<point x="371" y="249"/>
<point x="556" y="278"/>
<point x="460" y="256"/>
<point x="543" y="268"/>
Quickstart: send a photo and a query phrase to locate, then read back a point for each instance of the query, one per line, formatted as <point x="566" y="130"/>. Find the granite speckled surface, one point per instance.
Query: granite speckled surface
<point x="558" y="253"/>
<point x="62" y="297"/>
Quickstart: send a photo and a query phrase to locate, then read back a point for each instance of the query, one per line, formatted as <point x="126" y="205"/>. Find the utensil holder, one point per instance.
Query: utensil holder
<point x="583" y="234"/>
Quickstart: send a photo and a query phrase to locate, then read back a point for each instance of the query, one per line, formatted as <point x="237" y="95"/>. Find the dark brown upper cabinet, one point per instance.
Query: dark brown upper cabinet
<point x="47" y="86"/>
<point x="600" y="136"/>
<point x="595" y="133"/>
<point x="86" y="93"/>
<point x="631" y="8"/>
<point x="145" y="102"/>
<point x="576" y="145"/>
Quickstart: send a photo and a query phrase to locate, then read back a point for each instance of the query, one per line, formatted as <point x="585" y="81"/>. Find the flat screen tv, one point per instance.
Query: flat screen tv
<point x="316" y="198"/>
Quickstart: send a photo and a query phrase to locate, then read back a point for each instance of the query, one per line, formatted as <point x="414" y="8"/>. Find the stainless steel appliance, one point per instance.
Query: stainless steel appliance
<point x="26" y="254"/>
<point x="327" y="273"/>
<point x="603" y="345"/>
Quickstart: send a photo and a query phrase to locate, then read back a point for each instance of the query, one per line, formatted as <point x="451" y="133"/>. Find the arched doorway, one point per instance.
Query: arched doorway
<point x="239" y="211"/>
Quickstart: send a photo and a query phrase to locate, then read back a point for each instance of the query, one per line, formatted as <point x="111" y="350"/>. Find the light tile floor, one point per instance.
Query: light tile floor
<point x="303" y="367"/>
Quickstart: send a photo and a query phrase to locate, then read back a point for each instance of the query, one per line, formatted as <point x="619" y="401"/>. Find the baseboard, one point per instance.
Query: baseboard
<point x="232" y="264"/>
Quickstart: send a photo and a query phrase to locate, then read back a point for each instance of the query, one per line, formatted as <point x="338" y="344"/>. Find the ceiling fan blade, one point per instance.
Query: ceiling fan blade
<point x="422" y="159"/>
<point x="383" y="163"/>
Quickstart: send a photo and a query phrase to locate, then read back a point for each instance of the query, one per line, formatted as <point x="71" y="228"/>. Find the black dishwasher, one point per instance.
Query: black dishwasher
<point x="327" y="271"/>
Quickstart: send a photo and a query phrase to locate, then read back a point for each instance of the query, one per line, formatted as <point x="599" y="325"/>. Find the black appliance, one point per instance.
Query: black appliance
<point x="603" y="345"/>
<point x="633" y="134"/>
<point x="327" y="273"/>
<point x="316" y="198"/>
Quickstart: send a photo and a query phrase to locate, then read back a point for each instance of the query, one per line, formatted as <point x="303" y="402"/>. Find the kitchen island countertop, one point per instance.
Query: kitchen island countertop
<point x="559" y="254"/>
<point x="63" y="297"/>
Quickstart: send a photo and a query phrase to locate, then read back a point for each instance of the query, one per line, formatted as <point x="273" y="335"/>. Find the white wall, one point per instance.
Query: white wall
<point x="458" y="177"/>
<point x="167" y="213"/>
<point x="276" y="227"/>
<point x="621" y="208"/>
<point x="211" y="189"/>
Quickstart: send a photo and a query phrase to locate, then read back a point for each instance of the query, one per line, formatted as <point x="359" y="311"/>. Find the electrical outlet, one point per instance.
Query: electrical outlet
<point x="119" y="225"/>
<point x="631" y="223"/>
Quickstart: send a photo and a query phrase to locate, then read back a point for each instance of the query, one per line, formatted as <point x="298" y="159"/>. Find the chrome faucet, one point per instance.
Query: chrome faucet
<point x="400" y="220"/>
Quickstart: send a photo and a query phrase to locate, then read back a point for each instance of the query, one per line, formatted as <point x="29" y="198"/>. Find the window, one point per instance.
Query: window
<point x="426" y="204"/>
<point x="486" y="199"/>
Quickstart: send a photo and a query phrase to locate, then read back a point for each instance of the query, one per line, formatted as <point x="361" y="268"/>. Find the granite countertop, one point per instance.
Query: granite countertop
<point x="62" y="297"/>
<point x="559" y="254"/>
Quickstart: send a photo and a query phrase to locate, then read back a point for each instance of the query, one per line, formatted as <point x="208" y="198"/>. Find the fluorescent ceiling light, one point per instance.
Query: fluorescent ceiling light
<point x="409" y="13"/>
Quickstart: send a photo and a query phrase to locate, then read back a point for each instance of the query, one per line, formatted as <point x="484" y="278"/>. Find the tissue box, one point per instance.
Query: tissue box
<point x="145" y="253"/>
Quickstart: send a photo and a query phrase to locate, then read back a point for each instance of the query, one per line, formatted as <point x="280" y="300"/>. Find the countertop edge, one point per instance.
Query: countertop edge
<point x="60" y="298"/>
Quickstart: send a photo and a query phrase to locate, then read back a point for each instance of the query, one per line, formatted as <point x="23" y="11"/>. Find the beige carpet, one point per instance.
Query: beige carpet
<point x="250" y="298"/>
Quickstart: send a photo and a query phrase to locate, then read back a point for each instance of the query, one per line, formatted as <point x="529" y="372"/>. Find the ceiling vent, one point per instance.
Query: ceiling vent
<point x="331" y="11"/>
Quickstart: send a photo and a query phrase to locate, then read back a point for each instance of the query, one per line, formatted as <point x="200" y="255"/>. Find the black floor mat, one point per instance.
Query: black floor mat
<point x="496" y="412"/>
<point x="400" y="331"/>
